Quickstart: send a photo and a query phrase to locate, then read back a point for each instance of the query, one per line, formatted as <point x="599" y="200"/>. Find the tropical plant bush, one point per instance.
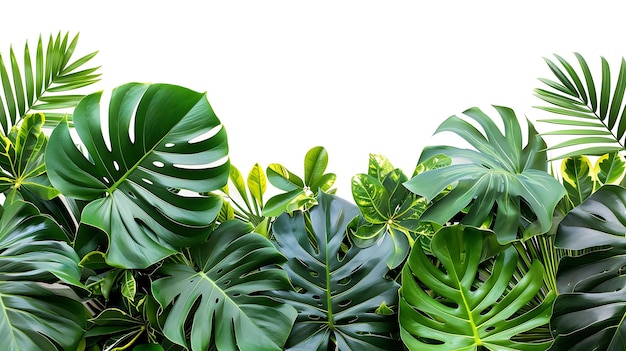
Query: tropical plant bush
<point x="133" y="231"/>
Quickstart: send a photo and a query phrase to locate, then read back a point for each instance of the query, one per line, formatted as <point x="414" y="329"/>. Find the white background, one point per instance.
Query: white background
<point x="357" y="77"/>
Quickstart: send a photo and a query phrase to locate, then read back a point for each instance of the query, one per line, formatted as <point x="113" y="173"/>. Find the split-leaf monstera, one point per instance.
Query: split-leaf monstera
<point x="222" y="297"/>
<point x="163" y="143"/>
<point x="499" y="172"/>
<point x="338" y="292"/>
<point x="461" y="304"/>
<point x="589" y="312"/>
<point x="32" y="252"/>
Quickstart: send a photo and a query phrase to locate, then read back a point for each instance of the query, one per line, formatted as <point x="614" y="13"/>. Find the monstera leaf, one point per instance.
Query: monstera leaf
<point x="589" y="312"/>
<point x="164" y="146"/>
<point x="33" y="317"/>
<point x="460" y="303"/>
<point x="45" y="84"/>
<point x="593" y="110"/>
<point x="499" y="172"/>
<point x="222" y="298"/>
<point x="337" y="292"/>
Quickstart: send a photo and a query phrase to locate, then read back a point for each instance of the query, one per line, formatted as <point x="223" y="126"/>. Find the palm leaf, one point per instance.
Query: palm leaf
<point x="598" y="113"/>
<point x="47" y="84"/>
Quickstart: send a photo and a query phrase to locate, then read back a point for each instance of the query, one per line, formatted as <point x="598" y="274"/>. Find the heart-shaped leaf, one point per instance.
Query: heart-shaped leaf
<point x="164" y="142"/>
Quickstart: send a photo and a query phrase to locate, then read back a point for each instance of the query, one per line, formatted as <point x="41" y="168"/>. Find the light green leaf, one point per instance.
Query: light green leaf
<point x="577" y="178"/>
<point x="468" y="301"/>
<point x="610" y="168"/>
<point x="315" y="162"/>
<point x="257" y="184"/>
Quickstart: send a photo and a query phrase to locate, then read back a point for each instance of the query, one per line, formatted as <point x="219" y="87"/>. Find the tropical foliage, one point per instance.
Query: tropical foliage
<point x="133" y="231"/>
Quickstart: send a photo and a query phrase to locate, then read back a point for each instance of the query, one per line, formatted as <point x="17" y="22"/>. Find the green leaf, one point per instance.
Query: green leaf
<point x="337" y="292"/>
<point x="282" y="178"/>
<point x="281" y="203"/>
<point x="222" y="299"/>
<point x="577" y="178"/>
<point x="163" y="139"/>
<point x="610" y="168"/>
<point x="237" y="180"/>
<point x="463" y="304"/>
<point x="379" y="166"/>
<point x="22" y="154"/>
<point x="315" y="162"/>
<point x="257" y="184"/>
<point x="371" y="197"/>
<point x="572" y="100"/>
<point x="129" y="285"/>
<point x="115" y="329"/>
<point x="27" y="90"/>
<point x="589" y="311"/>
<point x="32" y="316"/>
<point x="498" y="172"/>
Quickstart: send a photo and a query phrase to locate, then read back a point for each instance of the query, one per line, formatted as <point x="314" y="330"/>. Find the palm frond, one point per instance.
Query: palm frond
<point x="598" y="114"/>
<point x="47" y="85"/>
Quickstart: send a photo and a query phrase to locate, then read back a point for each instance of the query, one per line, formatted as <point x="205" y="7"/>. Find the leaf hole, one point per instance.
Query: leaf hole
<point x="169" y="144"/>
<point x="206" y="135"/>
<point x="217" y="300"/>
<point x="219" y="271"/>
<point x="158" y="164"/>
<point x="316" y="297"/>
<point x="344" y="281"/>
<point x="132" y="195"/>
<point x="490" y="329"/>
<point x="598" y="217"/>
<point x="314" y="317"/>
<point x="147" y="181"/>
<point x="621" y="270"/>
<point x="106" y="180"/>
<point x="227" y="282"/>
<point x="345" y="303"/>
<point x="314" y="274"/>
<point x="486" y="310"/>
<point x="356" y="318"/>
<point x="236" y="294"/>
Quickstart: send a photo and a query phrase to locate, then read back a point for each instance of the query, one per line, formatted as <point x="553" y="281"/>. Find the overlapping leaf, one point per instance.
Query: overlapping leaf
<point x="388" y="207"/>
<point x="32" y="251"/>
<point x="589" y="312"/>
<point x="299" y="193"/>
<point x="43" y="85"/>
<point x="499" y="172"/>
<point x="338" y="293"/>
<point x="592" y="115"/>
<point x="465" y="301"/>
<point x="164" y="146"/>
<point x="22" y="160"/>
<point x="222" y="298"/>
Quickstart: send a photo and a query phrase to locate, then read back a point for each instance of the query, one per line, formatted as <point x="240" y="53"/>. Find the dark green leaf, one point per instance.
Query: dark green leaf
<point x="163" y="139"/>
<point x="337" y="292"/>
<point x="222" y="298"/>
<point x="589" y="311"/>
